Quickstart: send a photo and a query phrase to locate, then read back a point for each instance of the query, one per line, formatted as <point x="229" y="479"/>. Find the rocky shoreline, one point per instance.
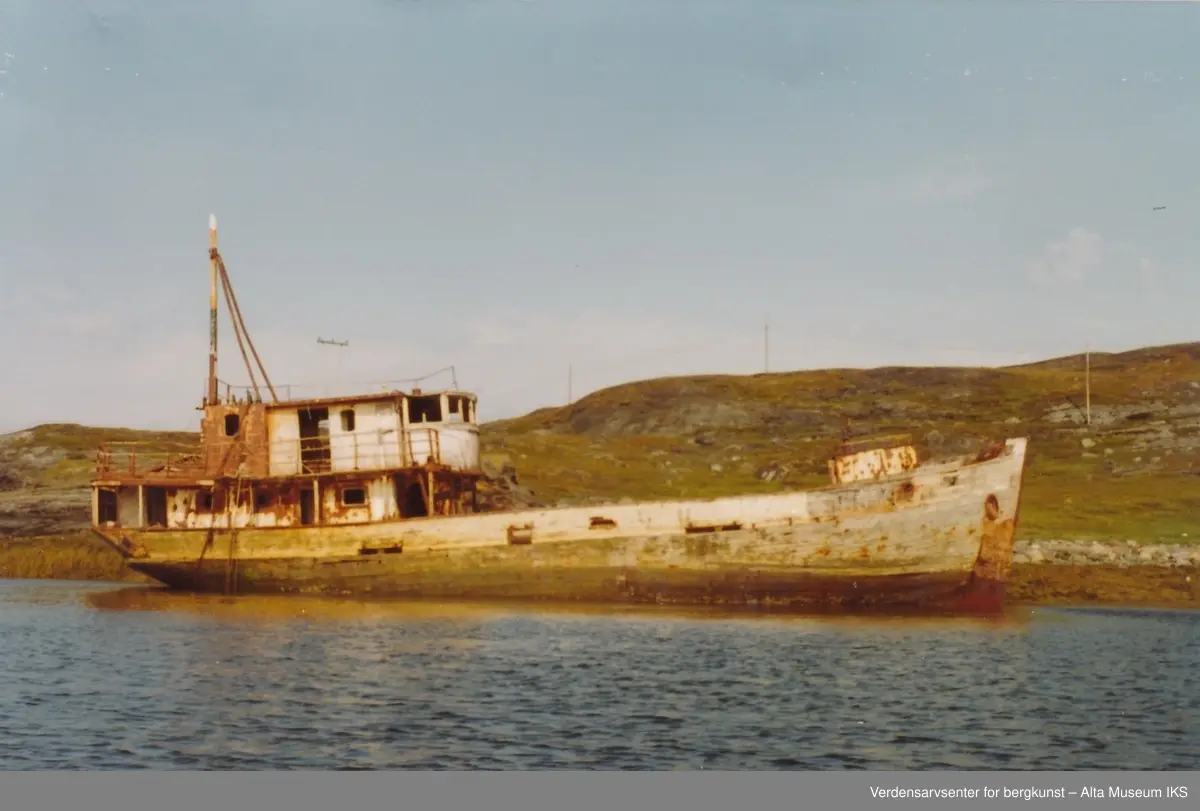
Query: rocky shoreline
<point x="1122" y="554"/>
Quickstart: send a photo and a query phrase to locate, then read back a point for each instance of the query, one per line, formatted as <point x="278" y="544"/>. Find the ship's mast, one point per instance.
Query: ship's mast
<point x="212" y="311"/>
<point x="221" y="275"/>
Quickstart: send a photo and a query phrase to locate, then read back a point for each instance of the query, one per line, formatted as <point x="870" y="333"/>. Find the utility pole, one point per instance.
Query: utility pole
<point x="1087" y="383"/>
<point x="570" y="399"/>
<point x="766" y="345"/>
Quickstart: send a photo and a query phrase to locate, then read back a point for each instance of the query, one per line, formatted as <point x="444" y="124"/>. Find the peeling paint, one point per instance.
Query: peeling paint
<point x="852" y="464"/>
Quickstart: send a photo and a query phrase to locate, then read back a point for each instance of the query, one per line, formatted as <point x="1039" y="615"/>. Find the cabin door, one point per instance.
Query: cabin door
<point x="156" y="506"/>
<point x="307" y="507"/>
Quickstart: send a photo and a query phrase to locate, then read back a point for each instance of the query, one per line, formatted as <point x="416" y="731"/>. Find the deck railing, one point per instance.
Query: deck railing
<point x="875" y="442"/>
<point x="363" y="450"/>
<point x="120" y="459"/>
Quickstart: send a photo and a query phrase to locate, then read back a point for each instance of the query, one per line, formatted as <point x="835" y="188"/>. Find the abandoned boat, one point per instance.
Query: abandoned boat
<point x="376" y="494"/>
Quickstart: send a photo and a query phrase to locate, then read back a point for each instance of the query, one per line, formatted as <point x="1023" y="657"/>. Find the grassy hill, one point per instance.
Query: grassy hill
<point x="1133" y="473"/>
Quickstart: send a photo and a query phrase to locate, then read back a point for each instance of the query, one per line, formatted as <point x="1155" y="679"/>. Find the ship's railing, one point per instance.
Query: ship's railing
<point x="869" y="443"/>
<point x="241" y="393"/>
<point x="361" y="450"/>
<point x="133" y="459"/>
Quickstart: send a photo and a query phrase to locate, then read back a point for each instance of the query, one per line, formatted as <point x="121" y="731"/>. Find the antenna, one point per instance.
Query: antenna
<point x="570" y="399"/>
<point x="341" y="345"/>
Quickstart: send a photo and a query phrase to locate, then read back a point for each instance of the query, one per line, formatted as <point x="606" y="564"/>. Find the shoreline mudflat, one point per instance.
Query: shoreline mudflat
<point x="1044" y="572"/>
<point x="1075" y="584"/>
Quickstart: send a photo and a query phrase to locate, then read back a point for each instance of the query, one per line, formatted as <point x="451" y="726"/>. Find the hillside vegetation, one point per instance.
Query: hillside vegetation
<point x="1133" y="473"/>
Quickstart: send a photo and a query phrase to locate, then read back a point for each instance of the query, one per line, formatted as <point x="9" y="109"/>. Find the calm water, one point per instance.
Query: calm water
<point x="106" y="677"/>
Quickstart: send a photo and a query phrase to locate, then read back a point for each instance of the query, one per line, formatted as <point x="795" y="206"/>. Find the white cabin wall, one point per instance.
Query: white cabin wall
<point x="129" y="510"/>
<point x="460" y="446"/>
<point x="334" y="512"/>
<point x="283" y="437"/>
<point x="183" y="511"/>
<point x="381" y="494"/>
<point x="181" y="507"/>
<point x="387" y="424"/>
<point x="373" y="443"/>
<point x="343" y="444"/>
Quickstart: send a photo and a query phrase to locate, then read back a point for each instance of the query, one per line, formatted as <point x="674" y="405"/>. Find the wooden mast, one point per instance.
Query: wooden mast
<point x="212" y="311"/>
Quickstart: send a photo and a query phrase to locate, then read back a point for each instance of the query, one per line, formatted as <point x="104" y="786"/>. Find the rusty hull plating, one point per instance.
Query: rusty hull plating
<point x="375" y="494"/>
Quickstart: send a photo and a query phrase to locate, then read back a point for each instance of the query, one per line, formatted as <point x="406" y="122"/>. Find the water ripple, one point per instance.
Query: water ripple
<point x="99" y="678"/>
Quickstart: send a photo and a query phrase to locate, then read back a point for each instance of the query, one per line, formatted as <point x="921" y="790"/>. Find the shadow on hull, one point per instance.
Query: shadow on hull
<point x="271" y="608"/>
<point x="748" y="591"/>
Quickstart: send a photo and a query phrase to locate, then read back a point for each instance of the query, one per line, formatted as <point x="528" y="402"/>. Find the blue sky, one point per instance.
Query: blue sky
<point x="627" y="187"/>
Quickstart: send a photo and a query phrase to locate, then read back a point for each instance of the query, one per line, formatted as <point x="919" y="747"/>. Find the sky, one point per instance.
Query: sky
<point x="555" y="196"/>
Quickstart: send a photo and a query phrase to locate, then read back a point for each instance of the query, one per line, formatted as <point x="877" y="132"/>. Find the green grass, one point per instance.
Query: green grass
<point x="605" y="445"/>
<point x="76" y="556"/>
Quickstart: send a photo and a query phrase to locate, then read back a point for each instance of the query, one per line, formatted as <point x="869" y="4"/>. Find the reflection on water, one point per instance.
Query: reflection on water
<point x="316" y="609"/>
<point x="104" y="677"/>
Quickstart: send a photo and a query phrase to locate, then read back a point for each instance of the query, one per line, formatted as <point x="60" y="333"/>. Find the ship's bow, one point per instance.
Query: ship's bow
<point x="1001" y="505"/>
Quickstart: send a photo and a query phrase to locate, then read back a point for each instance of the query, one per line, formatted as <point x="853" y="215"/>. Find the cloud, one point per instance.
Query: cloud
<point x="954" y="180"/>
<point x="1147" y="268"/>
<point x="1069" y="259"/>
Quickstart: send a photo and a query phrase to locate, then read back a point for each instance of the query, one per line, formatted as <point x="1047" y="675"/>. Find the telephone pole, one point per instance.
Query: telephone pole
<point x="1087" y="384"/>
<point x="766" y="345"/>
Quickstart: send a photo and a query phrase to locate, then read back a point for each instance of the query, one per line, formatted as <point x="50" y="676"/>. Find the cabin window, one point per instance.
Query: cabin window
<point x="454" y="404"/>
<point x="204" y="501"/>
<point x="354" y="496"/>
<point x="232" y="423"/>
<point x="425" y="409"/>
<point x="264" y="501"/>
<point x="348" y="420"/>
<point x="466" y="410"/>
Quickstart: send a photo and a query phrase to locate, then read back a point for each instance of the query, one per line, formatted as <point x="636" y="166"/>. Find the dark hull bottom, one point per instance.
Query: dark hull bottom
<point x="762" y="590"/>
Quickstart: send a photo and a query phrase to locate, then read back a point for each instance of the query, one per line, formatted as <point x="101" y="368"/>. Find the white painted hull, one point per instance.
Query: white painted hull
<point x="924" y="536"/>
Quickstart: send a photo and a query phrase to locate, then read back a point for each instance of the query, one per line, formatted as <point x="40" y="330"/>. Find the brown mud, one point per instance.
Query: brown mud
<point x="1104" y="584"/>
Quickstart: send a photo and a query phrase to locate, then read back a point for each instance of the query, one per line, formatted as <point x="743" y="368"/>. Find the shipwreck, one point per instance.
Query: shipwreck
<point x="377" y="494"/>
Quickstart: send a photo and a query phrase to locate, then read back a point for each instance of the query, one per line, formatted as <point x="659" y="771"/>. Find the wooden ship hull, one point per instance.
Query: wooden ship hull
<point x="376" y="495"/>
<point x="937" y="536"/>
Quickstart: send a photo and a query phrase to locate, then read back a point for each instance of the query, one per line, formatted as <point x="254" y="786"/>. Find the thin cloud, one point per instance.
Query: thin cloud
<point x="955" y="180"/>
<point x="1068" y="260"/>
